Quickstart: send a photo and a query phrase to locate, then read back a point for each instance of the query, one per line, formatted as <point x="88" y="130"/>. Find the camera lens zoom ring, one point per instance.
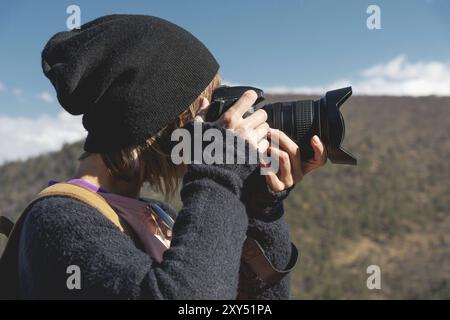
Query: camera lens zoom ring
<point x="304" y="115"/>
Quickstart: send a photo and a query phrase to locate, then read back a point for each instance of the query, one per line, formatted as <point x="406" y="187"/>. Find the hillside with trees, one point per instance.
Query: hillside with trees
<point x="392" y="210"/>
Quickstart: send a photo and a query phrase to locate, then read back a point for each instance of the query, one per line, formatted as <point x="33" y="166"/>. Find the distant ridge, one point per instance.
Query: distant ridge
<point x="391" y="210"/>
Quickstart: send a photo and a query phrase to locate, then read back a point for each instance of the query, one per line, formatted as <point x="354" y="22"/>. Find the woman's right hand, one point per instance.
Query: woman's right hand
<point x="253" y="128"/>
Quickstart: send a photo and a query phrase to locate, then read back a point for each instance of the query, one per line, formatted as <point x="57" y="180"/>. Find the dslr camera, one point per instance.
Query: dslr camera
<point x="300" y="120"/>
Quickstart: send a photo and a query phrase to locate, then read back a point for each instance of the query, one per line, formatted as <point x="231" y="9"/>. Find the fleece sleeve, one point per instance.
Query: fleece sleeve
<point x="202" y="263"/>
<point x="267" y="226"/>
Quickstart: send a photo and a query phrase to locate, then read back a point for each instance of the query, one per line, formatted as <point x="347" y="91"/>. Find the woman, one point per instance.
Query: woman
<point x="135" y="79"/>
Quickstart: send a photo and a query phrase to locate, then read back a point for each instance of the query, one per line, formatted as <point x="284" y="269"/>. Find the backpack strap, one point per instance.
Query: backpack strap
<point x="75" y="191"/>
<point x="9" y="278"/>
<point x="65" y="189"/>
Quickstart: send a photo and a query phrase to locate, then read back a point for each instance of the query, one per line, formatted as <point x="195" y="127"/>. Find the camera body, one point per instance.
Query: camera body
<point x="300" y="120"/>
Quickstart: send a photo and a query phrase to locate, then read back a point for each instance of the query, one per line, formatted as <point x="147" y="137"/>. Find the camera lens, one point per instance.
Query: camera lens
<point x="298" y="119"/>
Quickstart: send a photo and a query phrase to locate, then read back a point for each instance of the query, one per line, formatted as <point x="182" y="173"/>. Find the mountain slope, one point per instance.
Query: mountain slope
<point x="392" y="210"/>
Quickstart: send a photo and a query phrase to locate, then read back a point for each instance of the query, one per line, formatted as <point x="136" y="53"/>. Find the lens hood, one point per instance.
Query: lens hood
<point x="332" y="126"/>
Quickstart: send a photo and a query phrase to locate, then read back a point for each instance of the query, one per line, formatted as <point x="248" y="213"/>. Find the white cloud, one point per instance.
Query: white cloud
<point x="45" y="96"/>
<point x="401" y="77"/>
<point x="22" y="137"/>
<point x="397" y="77"/>
<point x="22" y="95"/>
<point x="17" y="92"/>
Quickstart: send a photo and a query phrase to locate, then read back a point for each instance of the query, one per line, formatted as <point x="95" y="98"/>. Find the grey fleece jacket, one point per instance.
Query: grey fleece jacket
<point x="203" y="262"/>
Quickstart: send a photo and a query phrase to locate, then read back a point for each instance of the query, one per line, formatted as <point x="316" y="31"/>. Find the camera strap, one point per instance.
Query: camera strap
<point x="254" y="256"/>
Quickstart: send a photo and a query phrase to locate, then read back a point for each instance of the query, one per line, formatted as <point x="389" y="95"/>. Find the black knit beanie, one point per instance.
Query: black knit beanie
<point x="128" y="75"/>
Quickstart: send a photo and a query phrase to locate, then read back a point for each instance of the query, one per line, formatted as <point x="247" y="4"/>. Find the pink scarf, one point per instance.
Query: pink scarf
<point x="153" y="229"/>
<point x="152" y="232"/>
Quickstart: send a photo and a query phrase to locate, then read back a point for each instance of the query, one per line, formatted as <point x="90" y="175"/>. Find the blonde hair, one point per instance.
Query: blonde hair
<point x="150" y="162"/>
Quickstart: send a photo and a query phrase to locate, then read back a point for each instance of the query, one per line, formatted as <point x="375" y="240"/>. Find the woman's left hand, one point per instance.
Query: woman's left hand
<point x="291" y="168"/>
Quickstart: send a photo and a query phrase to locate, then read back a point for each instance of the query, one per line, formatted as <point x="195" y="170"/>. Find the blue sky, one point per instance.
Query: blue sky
<point x="302" y="45"/>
